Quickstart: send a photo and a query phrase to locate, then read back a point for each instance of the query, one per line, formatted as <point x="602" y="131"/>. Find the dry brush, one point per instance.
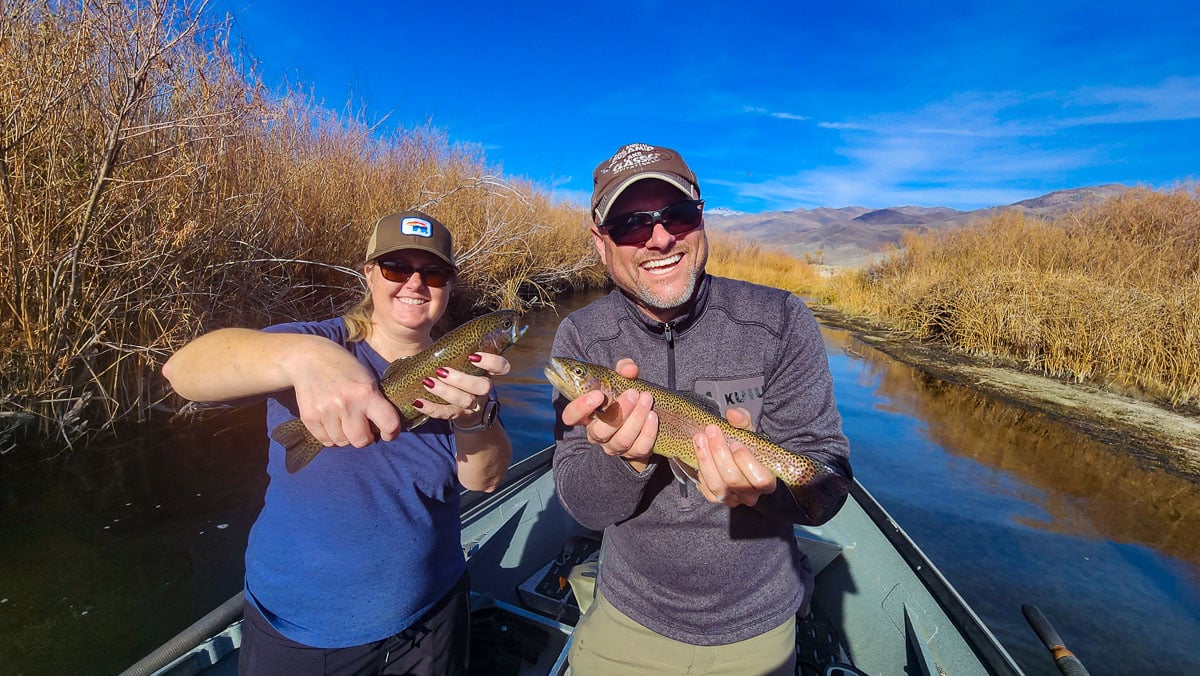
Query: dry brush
<point x="151" y="188"/>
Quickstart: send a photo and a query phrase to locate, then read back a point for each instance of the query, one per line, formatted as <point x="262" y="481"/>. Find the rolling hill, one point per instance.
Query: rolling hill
<point x="849" y="236"/>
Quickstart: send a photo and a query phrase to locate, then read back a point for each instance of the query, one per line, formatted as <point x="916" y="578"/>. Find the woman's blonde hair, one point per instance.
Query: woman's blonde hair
<point x="358" y="318"/>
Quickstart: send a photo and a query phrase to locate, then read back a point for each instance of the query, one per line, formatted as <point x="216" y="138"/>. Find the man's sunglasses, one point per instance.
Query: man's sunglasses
<point x="636" y="227"/>
<point x="400" y="272"/>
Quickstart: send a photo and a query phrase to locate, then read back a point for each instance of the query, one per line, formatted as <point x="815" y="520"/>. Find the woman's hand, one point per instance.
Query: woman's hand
<point x="463" y="393"/>
<point x="338" y="398"/>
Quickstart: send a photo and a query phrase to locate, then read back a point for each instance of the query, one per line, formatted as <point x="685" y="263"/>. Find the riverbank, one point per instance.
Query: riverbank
<point x="1155" y="434"/>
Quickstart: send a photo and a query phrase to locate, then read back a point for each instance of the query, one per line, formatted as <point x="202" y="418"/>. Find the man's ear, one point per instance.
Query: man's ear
<point x="600" y="248"/>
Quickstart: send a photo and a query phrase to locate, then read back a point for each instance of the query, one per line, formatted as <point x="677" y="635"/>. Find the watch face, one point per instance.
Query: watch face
<point x="490" y="408"/>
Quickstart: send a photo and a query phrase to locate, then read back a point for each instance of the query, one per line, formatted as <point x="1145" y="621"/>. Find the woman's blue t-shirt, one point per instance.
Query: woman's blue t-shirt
<point x="360" y="543"/>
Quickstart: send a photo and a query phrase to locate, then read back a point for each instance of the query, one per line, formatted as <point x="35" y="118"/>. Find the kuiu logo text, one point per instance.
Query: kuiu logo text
<point x="741" y="396"/>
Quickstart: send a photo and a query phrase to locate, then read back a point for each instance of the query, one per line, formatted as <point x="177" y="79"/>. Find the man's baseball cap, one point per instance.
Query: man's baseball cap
<point x="411" y="230"/>
<point x="632" y="163"/>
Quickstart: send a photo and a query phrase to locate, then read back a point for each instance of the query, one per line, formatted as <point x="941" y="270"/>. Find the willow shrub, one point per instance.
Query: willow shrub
<point x="1109" y="294"/>
<point x="151" y="189"/>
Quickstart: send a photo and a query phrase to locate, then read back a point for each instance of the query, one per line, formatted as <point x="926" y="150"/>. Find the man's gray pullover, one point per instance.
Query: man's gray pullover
<point x="692" y="570"/>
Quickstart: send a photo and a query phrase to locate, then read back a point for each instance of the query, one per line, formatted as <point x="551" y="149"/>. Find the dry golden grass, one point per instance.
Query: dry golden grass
<point x="737" y="258"/>
<point x="1109" y="294"/>
<point x="151" y="190"/>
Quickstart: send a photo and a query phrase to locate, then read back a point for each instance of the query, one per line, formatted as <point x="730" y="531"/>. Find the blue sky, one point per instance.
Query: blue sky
<point x="774" y="105"/>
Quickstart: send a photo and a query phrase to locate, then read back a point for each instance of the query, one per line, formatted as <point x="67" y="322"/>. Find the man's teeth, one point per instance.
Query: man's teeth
<point x="662" y="263"/>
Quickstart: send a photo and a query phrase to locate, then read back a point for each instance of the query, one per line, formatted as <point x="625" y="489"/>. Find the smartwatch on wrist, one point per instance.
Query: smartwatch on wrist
<point x="491" y="408"/>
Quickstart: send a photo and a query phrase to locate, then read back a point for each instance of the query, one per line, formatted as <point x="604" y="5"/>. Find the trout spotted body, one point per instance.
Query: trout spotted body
<point x="401" y="383"/>
<point x="681" y="416"/>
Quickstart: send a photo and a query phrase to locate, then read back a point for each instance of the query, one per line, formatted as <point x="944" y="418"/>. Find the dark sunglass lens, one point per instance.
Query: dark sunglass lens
<point x="435" y="277"/>
<point x="395" y="271"/>
<point x="634" y="227"/>
<point x="681" y="217"/>
<point x="400" y="272"/>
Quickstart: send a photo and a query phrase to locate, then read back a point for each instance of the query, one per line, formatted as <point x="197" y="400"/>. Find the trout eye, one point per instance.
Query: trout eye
<point x="578" y="370"/>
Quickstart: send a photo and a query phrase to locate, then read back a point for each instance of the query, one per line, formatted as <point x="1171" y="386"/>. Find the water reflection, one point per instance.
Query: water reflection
<point x="1014" y="506"/>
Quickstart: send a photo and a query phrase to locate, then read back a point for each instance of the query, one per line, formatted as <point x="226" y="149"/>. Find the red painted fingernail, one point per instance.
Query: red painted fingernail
<point x="419" y="404"/>
<point x="427" y="382"/>
<point x="441" y="372"/>
<point x="475" y="357"/>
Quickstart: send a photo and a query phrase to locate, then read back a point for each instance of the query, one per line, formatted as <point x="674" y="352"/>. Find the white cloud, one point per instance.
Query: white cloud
<point x="1175" y="98"/>
<point x="974" y="149"/>
<point x="776" y="114"/>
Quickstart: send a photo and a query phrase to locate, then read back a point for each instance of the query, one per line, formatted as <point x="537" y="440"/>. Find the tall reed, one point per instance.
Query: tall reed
<point x="152" y="189"/>
<point x="1109" y="294"/>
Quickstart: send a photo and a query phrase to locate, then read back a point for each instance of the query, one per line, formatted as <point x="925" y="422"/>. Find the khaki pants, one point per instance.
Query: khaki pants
<point x="607" y="642"/>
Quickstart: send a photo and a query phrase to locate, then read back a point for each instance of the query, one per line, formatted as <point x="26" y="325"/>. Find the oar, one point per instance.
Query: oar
<point x="1067" y="663"/>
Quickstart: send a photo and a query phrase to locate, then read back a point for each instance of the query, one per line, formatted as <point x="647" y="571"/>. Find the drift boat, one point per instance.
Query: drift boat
<point x="879" y="606"/>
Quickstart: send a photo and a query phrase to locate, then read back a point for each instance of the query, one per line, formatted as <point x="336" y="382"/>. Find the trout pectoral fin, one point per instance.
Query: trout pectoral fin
<point x="299" y="444"/>
<point x="416" y="422"/>
<point x="683" y="472"/>
<point x="610" y="413"/>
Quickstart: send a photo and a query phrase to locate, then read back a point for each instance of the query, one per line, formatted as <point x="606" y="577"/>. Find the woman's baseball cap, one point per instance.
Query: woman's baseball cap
<point x="411" y="230"/>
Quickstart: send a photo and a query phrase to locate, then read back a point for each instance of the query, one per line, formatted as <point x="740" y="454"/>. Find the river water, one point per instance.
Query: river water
<point x="107" y="552"/>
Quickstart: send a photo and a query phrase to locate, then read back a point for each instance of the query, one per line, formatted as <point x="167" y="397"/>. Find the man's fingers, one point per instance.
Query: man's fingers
<point x="580" y="410"/>
<point x="639" y="405"/>
<point x="626" y="367"/>
<point x="711" y="483"/>
<point x="738" y="417"/>
<point x="760" y="478"/>
<point x="731" y="476"/>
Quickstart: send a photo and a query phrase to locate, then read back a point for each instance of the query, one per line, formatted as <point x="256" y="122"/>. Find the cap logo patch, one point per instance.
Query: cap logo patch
<point x="418" y="227"/>
<point x="634" y="156"/>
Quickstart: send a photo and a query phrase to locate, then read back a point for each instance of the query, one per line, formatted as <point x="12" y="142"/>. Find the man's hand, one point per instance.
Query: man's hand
<point x="730" y="475"/>
<point x="626" y="427"/>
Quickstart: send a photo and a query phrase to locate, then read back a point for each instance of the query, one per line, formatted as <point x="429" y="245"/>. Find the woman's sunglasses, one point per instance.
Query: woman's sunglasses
<point x="400" y="272"/>
<point x="636" y="227"/>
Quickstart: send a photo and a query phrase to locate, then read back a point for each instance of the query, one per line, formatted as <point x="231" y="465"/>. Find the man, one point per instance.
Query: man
<point x="696" y="577"/>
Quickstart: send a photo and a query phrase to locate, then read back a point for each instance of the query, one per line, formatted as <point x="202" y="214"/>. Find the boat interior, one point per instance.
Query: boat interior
<point x="879" y="606"/>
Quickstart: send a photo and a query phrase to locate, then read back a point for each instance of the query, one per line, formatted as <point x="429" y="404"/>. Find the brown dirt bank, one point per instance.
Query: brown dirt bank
<point x="1158" y="434"/>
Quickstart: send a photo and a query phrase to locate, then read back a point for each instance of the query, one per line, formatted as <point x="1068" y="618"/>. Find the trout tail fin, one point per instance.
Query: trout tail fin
<point x="821" y="497"/>
<point x="300" y="445"/>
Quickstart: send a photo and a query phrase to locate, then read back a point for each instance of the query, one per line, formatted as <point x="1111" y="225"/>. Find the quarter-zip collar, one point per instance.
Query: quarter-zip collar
<point x="680" y="324"/>
<point x="674" y="328"/>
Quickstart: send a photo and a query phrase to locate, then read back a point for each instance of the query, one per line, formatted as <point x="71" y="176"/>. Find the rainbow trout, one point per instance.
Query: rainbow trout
<point x="681" y="416"/>
<point x="401" y="383"/>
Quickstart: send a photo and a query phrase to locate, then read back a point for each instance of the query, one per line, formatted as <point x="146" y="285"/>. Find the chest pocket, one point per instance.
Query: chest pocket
<point x="745" y="393"/>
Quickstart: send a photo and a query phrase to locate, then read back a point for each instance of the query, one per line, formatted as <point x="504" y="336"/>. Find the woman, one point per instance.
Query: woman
<point x="354" y="564"/>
